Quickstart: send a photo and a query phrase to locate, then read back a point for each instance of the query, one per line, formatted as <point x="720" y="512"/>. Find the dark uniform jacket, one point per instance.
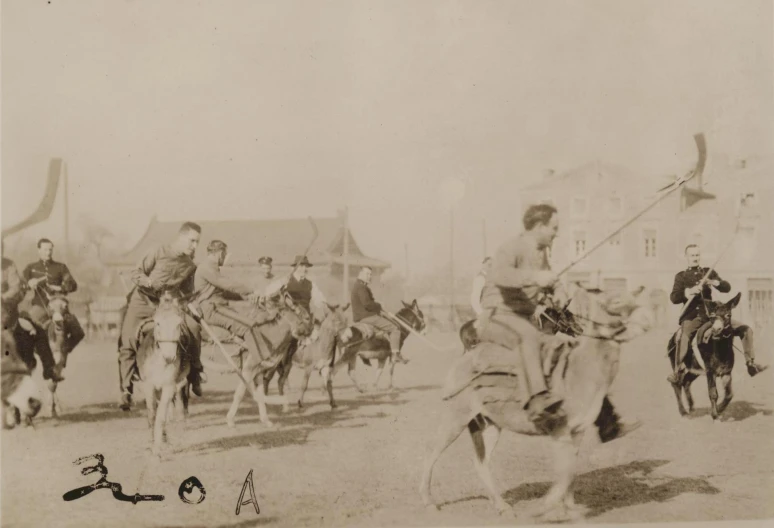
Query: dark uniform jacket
<point x="688" y="279"/>
<point x="363" y="303"/>
<point x="166" y="268"/>
<point x="56" y="273"/>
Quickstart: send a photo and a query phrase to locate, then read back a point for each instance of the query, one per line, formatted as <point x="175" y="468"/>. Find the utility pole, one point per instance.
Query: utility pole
<point x="451" y="265"/>
<point x="345" y="287"/>
<point x="483" y="236"/>
<point x="66" y="213"/>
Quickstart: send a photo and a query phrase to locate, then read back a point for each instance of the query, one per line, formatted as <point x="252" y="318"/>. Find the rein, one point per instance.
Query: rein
<point x="349" y="345"/>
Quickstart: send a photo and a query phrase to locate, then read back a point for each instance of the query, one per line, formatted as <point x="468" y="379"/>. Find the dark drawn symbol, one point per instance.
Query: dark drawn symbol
<point x="187" y="487"/>
<point x="103" y="483"/>
<point x="252" y="499"/>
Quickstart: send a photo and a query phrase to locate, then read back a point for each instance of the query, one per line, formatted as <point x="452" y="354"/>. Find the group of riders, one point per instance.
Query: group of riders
<point x="511" y="293"/>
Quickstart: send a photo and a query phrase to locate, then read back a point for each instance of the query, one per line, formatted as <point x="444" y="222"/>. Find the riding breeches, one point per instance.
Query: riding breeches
<point x="519" y="334"/>
<point x="745" y="333"/>
<point x="138" y="310"/>
<point x="689" y="326"/>
<point x="388" y="327"/>
<point x="741" y="330"/>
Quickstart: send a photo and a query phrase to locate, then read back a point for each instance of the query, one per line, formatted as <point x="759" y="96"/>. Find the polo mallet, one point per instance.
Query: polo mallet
<point x="717" y="260"/>
<point x="700" y="164"/>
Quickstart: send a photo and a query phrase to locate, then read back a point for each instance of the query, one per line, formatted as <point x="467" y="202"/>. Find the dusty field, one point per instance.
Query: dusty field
<point x="360" y="465"/>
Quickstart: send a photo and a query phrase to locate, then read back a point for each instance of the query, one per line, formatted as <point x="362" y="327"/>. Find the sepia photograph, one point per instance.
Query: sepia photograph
<point x="386" y="263"/>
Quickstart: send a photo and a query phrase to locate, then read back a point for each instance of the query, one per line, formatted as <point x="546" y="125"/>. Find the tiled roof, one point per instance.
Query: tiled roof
<point x="248" y="240"/>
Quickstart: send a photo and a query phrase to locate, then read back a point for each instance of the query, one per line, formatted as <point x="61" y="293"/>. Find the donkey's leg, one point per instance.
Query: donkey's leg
<point x="566" y="447"/>
<point x="284" y="373"/>
<point x="678" y="395"/>
<point x="391" y="373"/>
<point x="713" y="395"/>
<point x="259" y="397"/>
<point x="159" y="429"/>
<point x="484" y="443"/>
<point x="728" y="392"/>
<point x="453" y="422"/>
<point x="239" y="394"/>
<point x="304" y="385"/>
<point x="150" y="403"/>
<point x="688" y="395"/>
<point x="352" y="371"/>
<point x="326" y="373"/>
<point x="379" y="370"/>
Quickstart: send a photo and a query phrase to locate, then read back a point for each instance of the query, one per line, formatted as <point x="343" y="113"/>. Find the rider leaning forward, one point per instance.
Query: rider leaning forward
<point x="168" y="268"/>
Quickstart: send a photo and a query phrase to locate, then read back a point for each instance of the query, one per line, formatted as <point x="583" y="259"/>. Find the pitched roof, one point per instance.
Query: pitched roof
<point x="248" y="240"/>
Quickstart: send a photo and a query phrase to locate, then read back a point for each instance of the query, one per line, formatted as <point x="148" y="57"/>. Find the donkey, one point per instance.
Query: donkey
<point x="714" y="341"/>
<point x="275" y="339"/>
<point x="318" y="354"/>
<point x="357" y="342"/>
<point x="582" y="375"/>
<point x="59" y="310"/>
<point x="20" y="395"/>
<point x="162" y="368"/>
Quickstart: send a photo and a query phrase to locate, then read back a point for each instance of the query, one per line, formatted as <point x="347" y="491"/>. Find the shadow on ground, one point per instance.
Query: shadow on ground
<point x="603" y="490"/>
<point x="736" y="411"/>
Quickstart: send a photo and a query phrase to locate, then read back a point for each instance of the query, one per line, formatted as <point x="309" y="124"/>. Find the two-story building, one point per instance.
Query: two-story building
<point x="597" y="198"/>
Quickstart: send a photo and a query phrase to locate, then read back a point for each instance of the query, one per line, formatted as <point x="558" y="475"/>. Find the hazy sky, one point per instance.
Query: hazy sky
<point x="261" y="109"/>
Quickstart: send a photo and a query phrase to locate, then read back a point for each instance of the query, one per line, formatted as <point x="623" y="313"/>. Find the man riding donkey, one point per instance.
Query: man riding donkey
<point x="519" y="276"/>
<point x="23" y="329"/>
<point x="214" y="291"/>
<point x="692" y="288"/>
<point x="46" y="278"/>
<point x="367" y="311"/>
<point x="168" y="268"/>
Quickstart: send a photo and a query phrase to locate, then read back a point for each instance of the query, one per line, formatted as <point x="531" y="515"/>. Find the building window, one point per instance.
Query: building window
<point x="649" y="240"/>
<point x="579" y="207"/>
<point x="759" y="298"/>
<point x="580" y="243"/>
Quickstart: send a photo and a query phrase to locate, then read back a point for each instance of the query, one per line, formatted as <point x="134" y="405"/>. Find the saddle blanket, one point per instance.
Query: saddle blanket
<point x="492" y="365"/>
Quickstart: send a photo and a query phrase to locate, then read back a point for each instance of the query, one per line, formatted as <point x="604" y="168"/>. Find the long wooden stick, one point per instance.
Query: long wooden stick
<point x="699" y="138"/>
<point x="407" y="327"/>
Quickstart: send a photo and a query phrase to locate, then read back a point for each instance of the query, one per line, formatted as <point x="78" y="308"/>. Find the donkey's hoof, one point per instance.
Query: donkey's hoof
<point x="231" y="423"/>
<point x="432" y="507"/>
<point x="269" y="425"/>
<point x="504" y="510"/>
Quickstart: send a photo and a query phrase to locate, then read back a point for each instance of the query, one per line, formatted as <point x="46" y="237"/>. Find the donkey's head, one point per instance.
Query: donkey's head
<point x="413" y="316"/>
<point x="618" y="315"/>
<point x="720" y="315"/>
<point x="168" y="324"/>
<point x="300" y="320"/>
<point x="60" y="307"/>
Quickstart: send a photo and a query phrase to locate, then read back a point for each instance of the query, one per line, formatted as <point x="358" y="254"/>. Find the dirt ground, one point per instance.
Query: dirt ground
<point x="360" y="464"/>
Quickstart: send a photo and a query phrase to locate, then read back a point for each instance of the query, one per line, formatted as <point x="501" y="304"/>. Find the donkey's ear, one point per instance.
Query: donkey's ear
<point x="405" y="304"/>
<point x="344" y="308"/>
<point x="330" y="307"/>
<point x="415" y="304"/>
<point x="638" y="291"/>
<point x="733" y="302"/>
